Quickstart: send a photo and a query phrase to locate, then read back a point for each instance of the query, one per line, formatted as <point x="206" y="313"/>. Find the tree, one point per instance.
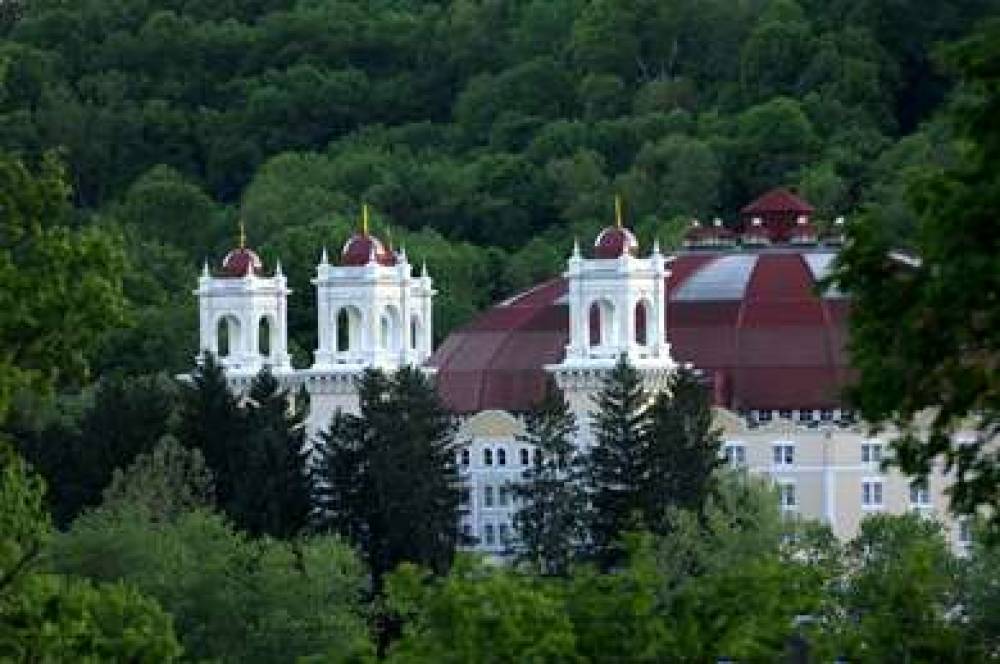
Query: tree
<point x="614" y="467"/>
<point x="272" y="491"/>
<point x="684" y="448"/>
<point x="166" y="482"/>
<point x="980" y="595"/>
<point x="212" y="422"/>
<point x="233" y="598"/>
<point x="926" y="335"/>
<point x="54" y="618"/>
<point x="62" y="287"/>
<point x="388" y="479"/>
<point x="549" y="522"/>
<point x="901" y="580"/>
<point x="476" y="615"/>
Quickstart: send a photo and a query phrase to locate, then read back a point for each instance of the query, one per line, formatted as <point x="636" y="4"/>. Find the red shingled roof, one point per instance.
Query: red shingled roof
<point x="763" y="332"/>
<point x="778" y="200"/>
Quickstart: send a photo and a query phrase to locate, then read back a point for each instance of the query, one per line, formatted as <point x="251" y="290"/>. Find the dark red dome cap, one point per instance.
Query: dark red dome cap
<point x="359" y="248"/>
<point x="614" y="242"/>
<point x="241" y="262"/>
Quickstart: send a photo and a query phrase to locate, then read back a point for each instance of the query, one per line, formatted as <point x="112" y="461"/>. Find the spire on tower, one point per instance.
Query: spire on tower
<point x="243" y="235"/>
<point x="204" y="270"/>
<point x="277" y="268"/>
<point x="618" y="210"/>
<point x="576" y="247"/>
<point x="324" y="259"/>
<point x="364" y="218"/>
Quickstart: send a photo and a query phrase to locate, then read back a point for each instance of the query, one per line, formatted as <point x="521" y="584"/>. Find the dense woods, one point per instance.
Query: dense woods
<point x="487" y="134"/>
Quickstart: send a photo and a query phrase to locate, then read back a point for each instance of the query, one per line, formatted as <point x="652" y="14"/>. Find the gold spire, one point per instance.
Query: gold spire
<point x="243" y="235"/>
<point x="388" y="236"/>
<point x="364" y="218"/>
<point x="618" y="210"/>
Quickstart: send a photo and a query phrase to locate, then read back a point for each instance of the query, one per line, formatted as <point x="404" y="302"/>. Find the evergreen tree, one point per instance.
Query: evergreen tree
<point x="616" y="468"/>
<point x="552" y="502"/>
<point x="213" y="422"/>
<point x="387" y="479"/>
<point x="683" y="451"/>
<point x="272" y="494"/>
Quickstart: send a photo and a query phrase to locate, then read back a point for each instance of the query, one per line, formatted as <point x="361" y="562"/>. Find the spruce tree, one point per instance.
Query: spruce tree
<point x="272" y="493"/>
<point x="684" y="449"/>
<point x="213" y="422"/>
<point x="616" y="466"/>
<point x="550" y="518"/>
<point x="388" y="479"/>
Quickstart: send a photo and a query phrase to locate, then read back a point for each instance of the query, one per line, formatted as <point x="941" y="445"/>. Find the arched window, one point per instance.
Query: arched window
<point x="385" y="331"/>
<point x="264" y="336"/>
<point x="415" y="333"/>
<point x="228" y="336"/>
<point x="389" y="329"/>
<point x="525" y="458"/>
<point x="503" y="496"/>
<point x="641" y="320"/>
<point x="348" y="329"/>
<point x="602" y="323"/>
<point x="487" y="457"/>
<point x="487" y="496"/>
<point x="501" y="457"/>
<point x="465" y="457"/>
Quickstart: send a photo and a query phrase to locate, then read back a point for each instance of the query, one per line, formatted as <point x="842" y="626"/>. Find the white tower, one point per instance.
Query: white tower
<point x="372" y="311"/>
<point x="617" y="306"/>
<point x="243" y="315"/>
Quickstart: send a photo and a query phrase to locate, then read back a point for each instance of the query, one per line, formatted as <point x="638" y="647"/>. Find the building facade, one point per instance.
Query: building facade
<point x="741" y="303"/>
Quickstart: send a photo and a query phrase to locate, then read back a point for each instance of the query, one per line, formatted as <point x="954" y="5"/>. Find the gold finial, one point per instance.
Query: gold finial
<point x="388" y="236"/>
<point x="364" y="218"/>
<point x="243" y="235"/>
<point x="618" y="210"/>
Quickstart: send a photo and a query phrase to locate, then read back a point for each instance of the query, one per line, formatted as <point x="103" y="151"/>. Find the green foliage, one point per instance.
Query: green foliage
<point x="53" y="618"/>
<point x="925" y="333"/>
<point x="166" y="482"/>
<point x="62" y="287"/>
<point x="387" y="479"/>
<point x="549" y="522"/>
<point x="478" y="615"/>
<point x="233" y="599"/>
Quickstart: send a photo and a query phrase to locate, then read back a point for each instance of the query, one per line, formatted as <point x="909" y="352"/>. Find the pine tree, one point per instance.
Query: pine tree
<point x="549" y="522"/>
<point x="213" y="422"/>
<point x="616" y="466"/>
<point x="683" y="451"/>
<point x="272" y="494"/>
<point x="388" y="479"/>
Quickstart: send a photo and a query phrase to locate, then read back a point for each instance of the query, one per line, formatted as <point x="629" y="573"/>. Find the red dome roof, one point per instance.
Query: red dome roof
<point x="240" y="262"/>
<point x="359" y="249"/>
<point x="750" y="320"/>
<point x="614" y="242"/>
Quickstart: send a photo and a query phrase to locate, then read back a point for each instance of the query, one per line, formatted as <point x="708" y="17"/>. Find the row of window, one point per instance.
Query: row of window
<point x="804" y="415"/>
<point x="783" y="454"/>
<point x="499" y="456"/>
<point x="872" y="494"/>
<point x="490" y="535"/>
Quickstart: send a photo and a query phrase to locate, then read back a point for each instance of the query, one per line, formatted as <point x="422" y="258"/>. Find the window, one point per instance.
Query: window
<point x="826" y="414"/>
<point x="871" y="494"/>
<point x="501" y="457"/>
<point x="467" y="531"/>
<point x="784" y="454"/>
<point x="488" y="457"/>
<point x="805" y="416"/>
<point x="965" y="531"/>
<point x="785" y="414"/>
<point x="871" y="453"/>
<point x="525" y="456"/>
<point x="487" y="496"/>
<point x="538" y="457"/>
<point x="735" y="454"/>
<point x="504" y="532"/>
<point x="786" y="495"/>
<point x="763" y="415"/>
<point x="465" y="457"/>
<point x="488" y="534"/>
<point x="920" y="494"/>
<point x="464" y="496"/>
<point x="503" y="496"/>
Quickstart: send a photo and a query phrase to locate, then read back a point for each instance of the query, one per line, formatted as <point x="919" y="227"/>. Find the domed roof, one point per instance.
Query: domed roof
<point x="240" y="262"/>
<point x="359" y="249"/>
<point x="750" y="320"/>
<point x="614" y="242"/>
